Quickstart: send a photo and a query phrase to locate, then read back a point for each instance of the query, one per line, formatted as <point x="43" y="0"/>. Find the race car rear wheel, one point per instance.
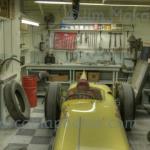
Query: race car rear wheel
<point x="52" y="108"/>
<point x="127" y="105"/>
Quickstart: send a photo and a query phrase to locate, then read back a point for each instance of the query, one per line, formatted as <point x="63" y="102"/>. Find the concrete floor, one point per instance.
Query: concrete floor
<point x="137" y="137"/>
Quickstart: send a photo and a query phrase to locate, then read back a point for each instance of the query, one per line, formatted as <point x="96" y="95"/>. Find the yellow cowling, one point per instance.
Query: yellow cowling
<point x="91" y="124"/>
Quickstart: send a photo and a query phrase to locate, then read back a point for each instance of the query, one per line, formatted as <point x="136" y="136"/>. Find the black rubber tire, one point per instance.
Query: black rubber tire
<point x="17" y="102"/>
<point x="148" y="136"/>
<point x="52" y="105"/>
<point x="127" y="105"/>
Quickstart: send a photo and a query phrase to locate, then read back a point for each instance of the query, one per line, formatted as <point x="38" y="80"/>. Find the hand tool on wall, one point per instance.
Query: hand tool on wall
<point x="86" y="37"/>
<point x="81" y="34"/>
<point x="88" y="40"/>
<point x="110" y="40"/>
<point x="120" y="45"/>
<point x="91" y="40"/>
<point x="67" y="56"/>
<point x="100" y="42"/>
<point x="94" y="40"/>
<point x="97" y="40"/>
<point x="115" y="40"/>
<point x="120" y="40"/>
<point x="71" y="56"/>
<point x="49" y="34"/>
<point x="80" y="54"/>
<point x="90" y="35"/>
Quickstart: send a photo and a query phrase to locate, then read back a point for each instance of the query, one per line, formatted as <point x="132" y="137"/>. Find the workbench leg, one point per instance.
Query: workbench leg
<point x="114" y="79"/>
<point x="70" y="76"/>
<point x="73" y="75"/>
<point x="116" y="76"/>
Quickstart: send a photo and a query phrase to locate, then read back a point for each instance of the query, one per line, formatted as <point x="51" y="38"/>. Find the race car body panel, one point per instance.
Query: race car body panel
<point x="91" y="124"/>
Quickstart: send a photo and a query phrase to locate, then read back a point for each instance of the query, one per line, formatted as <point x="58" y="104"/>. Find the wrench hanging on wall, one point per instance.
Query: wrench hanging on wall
<point x="100" y="43"/>
<point x="110" y="40"/>
<point x="115" y="40"/>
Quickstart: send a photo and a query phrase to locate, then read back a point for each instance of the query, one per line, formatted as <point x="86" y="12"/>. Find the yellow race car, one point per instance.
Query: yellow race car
<point x="90" y="118"/>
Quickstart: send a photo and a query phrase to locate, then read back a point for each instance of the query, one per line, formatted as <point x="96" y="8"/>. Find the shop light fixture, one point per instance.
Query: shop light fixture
<point x="29" y="22"/>
<point x="53" y="2"/>
<point x="86" y="4"/>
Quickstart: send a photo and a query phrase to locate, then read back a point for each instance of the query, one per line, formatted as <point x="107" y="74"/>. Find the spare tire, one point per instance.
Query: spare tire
<point x="52" y="105"/>
<point x="16" y="102"/>
<point x="127" y="105"/>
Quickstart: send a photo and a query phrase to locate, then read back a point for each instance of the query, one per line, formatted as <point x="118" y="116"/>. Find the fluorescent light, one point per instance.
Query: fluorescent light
<point x="54" y="2"/>
<point x="29" y="22"/>
<point x="88" y="4"/>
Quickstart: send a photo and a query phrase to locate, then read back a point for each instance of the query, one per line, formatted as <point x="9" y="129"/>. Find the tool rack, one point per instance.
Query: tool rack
<point x="90" y="35"/>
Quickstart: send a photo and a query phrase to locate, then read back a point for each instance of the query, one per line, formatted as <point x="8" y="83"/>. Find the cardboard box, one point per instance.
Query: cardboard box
<point x="59" y="78"/>
<point x="93" y="76"/>
<point x="24" y="27"/>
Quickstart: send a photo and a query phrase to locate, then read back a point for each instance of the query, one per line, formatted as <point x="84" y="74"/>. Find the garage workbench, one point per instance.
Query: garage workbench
<point x="72" y="68"/>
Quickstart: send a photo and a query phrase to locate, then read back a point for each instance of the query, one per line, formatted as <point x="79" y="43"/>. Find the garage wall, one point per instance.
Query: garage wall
<point x="10" y="42"/>
<point x="138" y="16"/>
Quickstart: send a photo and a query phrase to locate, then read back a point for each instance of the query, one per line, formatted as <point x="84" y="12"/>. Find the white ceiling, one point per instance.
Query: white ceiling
<point x="29" y="5"/>
<point x="34" y="10"/>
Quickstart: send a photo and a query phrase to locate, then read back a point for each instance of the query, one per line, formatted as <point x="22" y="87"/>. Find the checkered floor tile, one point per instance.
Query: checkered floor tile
<point x="34" y="135"/>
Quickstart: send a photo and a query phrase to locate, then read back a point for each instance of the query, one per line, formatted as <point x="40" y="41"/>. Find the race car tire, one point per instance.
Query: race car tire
<point x="52" y="108"/>
<point x="16" y="102"/>
<point x="127" y="105"/>
<point x="148" y="136"/>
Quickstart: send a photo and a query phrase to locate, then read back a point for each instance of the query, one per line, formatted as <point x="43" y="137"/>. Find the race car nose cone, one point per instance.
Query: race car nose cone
<point x="83" y="76"/>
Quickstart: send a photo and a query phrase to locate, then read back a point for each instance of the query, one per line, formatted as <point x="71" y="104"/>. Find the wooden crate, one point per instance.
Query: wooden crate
<point x="93" y="76"/>
<point x="24" y="27"/>
<point x="59" y="78"/>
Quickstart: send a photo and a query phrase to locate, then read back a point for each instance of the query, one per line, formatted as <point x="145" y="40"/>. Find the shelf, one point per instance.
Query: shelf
<point x="78" y="31"/>
<point x="95" y="27"/>
<point x="61" y="82"/>
<point x="3" y="18"/>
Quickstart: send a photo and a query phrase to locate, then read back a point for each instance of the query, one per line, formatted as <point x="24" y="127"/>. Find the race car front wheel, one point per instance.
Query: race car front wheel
<point x="52" y="109"/>
<point x="148" y="136"/>
<point x="127" y="105"/>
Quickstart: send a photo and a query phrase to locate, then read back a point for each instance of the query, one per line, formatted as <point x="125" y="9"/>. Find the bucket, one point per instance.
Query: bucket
<point x="30" y="86"/>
